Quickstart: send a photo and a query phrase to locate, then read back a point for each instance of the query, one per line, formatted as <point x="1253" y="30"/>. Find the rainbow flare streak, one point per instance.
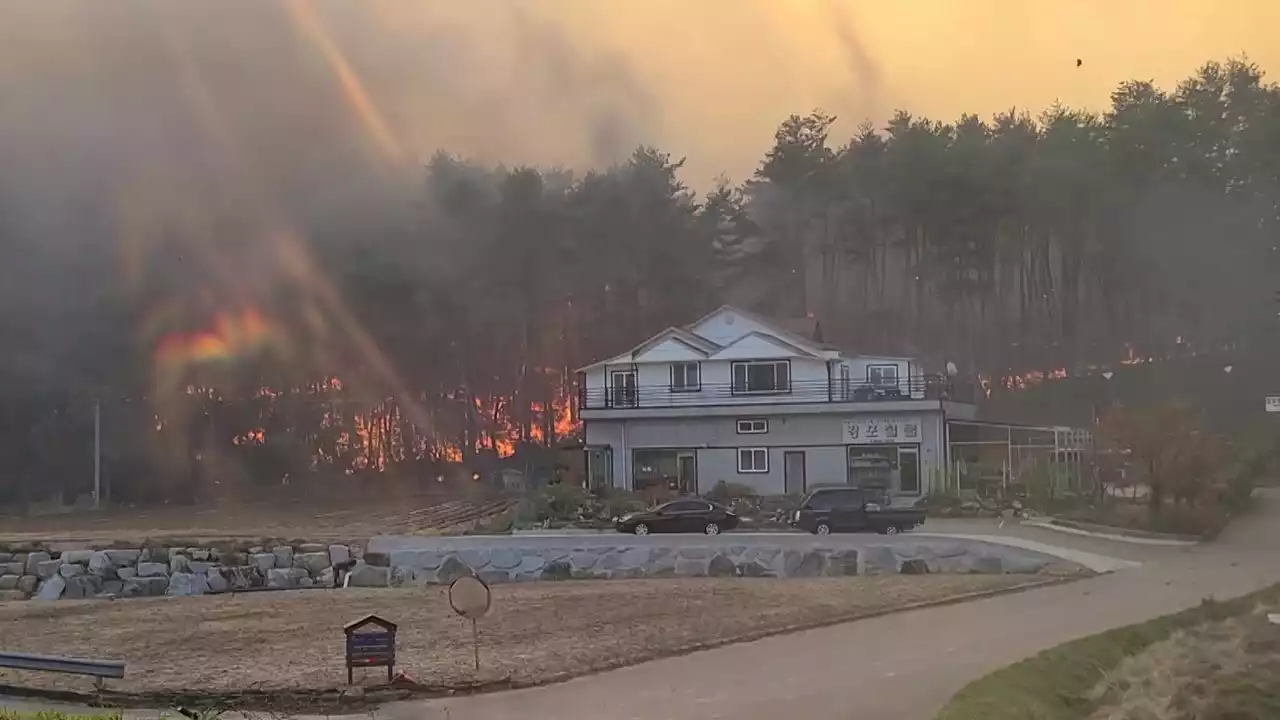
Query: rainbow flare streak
<point x="232" y="336"/>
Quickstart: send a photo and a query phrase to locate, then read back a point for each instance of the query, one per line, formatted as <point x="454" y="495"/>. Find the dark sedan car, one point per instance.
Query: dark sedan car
<point x="679" y="516"/>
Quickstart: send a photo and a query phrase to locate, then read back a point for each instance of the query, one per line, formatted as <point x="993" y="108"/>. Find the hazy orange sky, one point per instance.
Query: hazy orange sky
<point x="723" y="73"/>
<point x="97" y="88"/>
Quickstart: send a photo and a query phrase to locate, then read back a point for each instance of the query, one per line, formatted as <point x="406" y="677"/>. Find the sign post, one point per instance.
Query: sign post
<point x="469" y="597"/>
<point x="1273" y="403"/>
<point x="371" y="642"/>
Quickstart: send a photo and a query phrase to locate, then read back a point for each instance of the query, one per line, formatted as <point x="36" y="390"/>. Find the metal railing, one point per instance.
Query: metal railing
<point x="99" y="669"/>
<point x="927" y="387"/>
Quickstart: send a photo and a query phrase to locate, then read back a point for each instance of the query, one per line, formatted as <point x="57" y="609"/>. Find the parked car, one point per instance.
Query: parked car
<point x="832" y="509"/>
<point x="679" y="516"/>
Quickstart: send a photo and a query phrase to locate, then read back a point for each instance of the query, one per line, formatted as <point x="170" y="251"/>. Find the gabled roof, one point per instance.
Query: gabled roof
<point x="809" y="344"/>
<point x="773" y="339"/>
<point x="693" y="341"/>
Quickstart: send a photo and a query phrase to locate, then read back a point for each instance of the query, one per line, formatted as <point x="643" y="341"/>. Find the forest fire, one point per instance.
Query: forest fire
<point x="230" y="336"/>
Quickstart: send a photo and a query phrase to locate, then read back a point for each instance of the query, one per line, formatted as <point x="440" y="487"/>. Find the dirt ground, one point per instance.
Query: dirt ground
<point x="535" y="632"/>
<point x="338" y="520"/>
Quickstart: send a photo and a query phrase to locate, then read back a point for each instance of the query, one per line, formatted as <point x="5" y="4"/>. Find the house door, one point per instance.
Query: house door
<point x="793" y="467"/>
<point x="687" y="472"/>
<point x="599" y="467"/>
<point x="909" y="470"/>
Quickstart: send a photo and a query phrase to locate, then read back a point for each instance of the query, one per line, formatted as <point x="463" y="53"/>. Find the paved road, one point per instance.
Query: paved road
<point x="897" y="667"/>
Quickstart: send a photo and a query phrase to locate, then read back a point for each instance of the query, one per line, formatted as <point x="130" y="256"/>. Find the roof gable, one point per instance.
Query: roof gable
<point x="763" y="346"/>
<point x="727" y="324"/>
<point x="698" y="346"/>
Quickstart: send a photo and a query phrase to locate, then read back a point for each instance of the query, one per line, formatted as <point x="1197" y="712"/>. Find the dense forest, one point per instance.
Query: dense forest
<point x="386" y="325"/>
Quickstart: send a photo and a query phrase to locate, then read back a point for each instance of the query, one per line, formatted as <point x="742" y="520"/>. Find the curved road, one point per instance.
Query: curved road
<point x="902" y="666"/>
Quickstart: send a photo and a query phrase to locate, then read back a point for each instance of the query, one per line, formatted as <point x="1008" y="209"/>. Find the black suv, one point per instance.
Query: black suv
<point x="847" y="509"/>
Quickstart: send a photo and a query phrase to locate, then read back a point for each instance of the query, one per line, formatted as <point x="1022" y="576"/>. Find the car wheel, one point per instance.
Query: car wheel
<point x="891" y="530"/>
<point x="641" y="529"/>
<point x="822" y="528"/>
<point x="711" y="529"/>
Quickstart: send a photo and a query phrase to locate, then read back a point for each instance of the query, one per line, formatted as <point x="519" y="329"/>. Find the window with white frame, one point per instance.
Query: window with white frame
<point x="624" y="391"/>
<point x="755" y="426"/>
<point x="881" y="375"/>
<point x="753" y="460"/>
<point x="762" y="376"/>
<point x="685" y="377"/>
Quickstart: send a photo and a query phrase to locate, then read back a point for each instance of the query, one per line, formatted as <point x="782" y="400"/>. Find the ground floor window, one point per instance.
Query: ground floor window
<point x="753" y="460"/>
<point x="889" y="468"/>
<point x="599" y="467"/>
<point x="671" y="468"/>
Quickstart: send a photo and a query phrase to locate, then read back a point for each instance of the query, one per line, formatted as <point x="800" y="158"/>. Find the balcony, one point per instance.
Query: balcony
<point x="799" y="392"/>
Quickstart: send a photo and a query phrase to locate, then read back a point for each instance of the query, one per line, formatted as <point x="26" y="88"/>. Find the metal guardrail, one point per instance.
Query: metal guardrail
<point x="99" y="669"/>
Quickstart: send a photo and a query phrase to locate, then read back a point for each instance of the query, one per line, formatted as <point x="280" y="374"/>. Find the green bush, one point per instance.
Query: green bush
<point x="561" y="503"/>
<point x="725" y="492"/>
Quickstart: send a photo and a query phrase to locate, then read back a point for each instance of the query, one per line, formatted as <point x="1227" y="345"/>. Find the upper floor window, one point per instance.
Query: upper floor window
<point x="754" y="426"/>
<point x="685" y="377"/>
<point x="762" y="376"/>
<point x="882" y="374"/>
<point x="623" y="391"/>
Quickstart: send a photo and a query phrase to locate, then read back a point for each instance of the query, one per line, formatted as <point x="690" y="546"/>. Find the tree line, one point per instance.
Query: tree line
<point x="445" y="317"/>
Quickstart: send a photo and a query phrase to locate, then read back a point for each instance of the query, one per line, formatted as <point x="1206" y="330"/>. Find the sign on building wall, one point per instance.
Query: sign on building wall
<point x="882" y="430"/>
<point x="1273" y="403"/>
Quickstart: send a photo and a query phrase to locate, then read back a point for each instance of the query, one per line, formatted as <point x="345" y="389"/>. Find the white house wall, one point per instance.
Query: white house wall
<point x="715" y="442"/>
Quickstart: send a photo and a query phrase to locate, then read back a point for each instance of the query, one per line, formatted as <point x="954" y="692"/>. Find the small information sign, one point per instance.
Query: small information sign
<point x="371" y="642"/>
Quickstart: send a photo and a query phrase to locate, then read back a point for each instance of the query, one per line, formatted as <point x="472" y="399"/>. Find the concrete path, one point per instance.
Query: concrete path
<point x="897" y="667"/>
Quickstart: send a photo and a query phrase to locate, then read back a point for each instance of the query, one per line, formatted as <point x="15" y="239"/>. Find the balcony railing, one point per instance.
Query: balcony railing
<point x="799" y="392"/>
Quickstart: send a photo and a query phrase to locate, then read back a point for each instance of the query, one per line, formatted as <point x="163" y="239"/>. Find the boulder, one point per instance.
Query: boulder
<point x="306" y="582"/>
<point x="365" y="575"/>
<point x="111" y="588"/>
<point x="123" y="557"/>
<point x="75" y="557"/>
<point x="242" y="577"/>
<point x="377" y="559"/>
<point x="279" y="578"/>
<point x="201" y="554"/>
<point x="200" y="567"/>
<point x="5" y="557"/>
<point x="988" y="565"/>
<point x="68" y="571"/>
<point x="313" y="562"/>
<point x="34" y="559"/>
<point x="217" y="583"/>
<point x="13" y="568"/>
<point x="127" y="573"/>
<point x="186" y="583"/>
<point x="691" y="568"/>
<point x="45" y="569"/>
<point x="721" y="566"/>
<point x="9" y="582"/>
<point x="179" y="563"/>
<point x="81" y="586"/>
<point x="753" y="569"/>
<point x="284" y="556"/>
<point x="812" y="564"/>
<point x="451" y="569"/>
<point x="100" y="563"/>
<point x="843" y="562"/>
<point x="52" y="588"/>
<point x="28" y="584"/>
<point x="151" y="569"/>
<point x="151" y="586"/>
<point x="339" y="554"/>
<point x="915" y="566"/>
<point x="504" y="559"/>
<point x="556" y="570"/>
<point x="312" y="548"/>
<point x="264" y="561"/>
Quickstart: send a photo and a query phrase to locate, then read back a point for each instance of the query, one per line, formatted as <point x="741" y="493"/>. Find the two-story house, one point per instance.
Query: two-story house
<point x="739" y="398"/>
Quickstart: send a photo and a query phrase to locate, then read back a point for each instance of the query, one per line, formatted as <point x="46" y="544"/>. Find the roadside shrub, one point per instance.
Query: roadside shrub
<point x="561" y="502"/>
<point x="725" y="492"/>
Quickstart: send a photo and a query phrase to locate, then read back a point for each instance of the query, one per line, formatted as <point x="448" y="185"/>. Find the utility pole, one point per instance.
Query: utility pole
<point x="97" y="454"/>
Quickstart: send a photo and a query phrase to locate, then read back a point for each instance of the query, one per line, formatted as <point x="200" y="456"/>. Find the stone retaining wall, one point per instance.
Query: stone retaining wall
<point x="513" y="563"/>
<point x="150" y="571"/>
